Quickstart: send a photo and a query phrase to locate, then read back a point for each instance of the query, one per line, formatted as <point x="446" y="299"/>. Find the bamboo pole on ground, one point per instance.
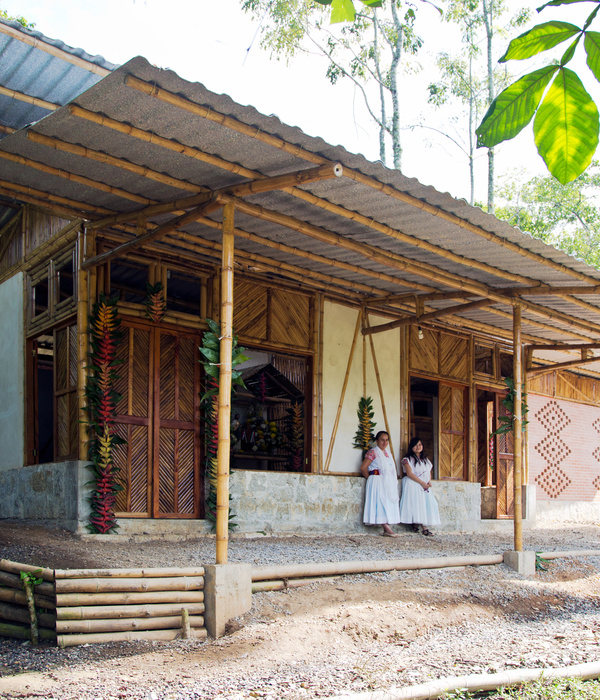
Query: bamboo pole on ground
<point x="517" y="425"/>
<point x="20" y="632"/>
<point x="128" y="573"/>
<point x="12" y="595"/>
<point x="70" y="640"/>
<point x="18" y="613"/>
<point x="343" y="392"/>
<point x="126" y="598"/>
<point x="185" y="623"/>
<point x="105" y="612"/>
<point x="224" y="411"/>
<point x="125" y="624"/>
<point x="14" y="567"/>
<point x="14" y="581"/>
<point x="129" y="585"/>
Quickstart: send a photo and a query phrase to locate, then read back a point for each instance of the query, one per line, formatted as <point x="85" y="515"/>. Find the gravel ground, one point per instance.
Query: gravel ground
<point x="352" y="634"/>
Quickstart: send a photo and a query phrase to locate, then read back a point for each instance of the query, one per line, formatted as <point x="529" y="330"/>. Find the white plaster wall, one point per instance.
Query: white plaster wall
<point x="12" y="374"/>
<point x="339" y="324"/>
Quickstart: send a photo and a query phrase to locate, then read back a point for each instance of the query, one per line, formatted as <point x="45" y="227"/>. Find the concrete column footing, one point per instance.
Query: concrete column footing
<point x="227" y="594"/>
<point x="521" y="562"/>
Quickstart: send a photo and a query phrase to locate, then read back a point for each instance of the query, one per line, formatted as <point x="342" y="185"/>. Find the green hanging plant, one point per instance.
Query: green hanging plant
<point x="506" y="422"/>
<point x="366" y="426"/>
<point x="210" y="350"/>
<point x="295" y="436"/>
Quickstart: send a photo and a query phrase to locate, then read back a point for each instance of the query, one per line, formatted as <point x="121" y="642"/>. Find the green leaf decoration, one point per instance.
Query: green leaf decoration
<point x="514" y="108"/>
<point x="570" y="52"/>
<point x="565" y="127"/>
<point x="540" y="38"/>
<point x="556" y="3"/>
<point x="592" y="49"/>
<point x="366" y="427"/>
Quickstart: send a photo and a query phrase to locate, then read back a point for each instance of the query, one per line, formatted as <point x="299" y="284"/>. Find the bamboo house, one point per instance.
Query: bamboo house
<point x="135" y="206"/>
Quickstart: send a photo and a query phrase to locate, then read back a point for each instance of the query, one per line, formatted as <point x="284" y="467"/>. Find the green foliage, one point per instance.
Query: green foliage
<point x="559" y="689"/>
<point x="366" y="427"/>
<point x="506" y="422"/>
<point x="344" y="10"/>
<point x="540" y="562"/>
<point x="565" y="117"/>
<point x="31" y="578"/>
<point x="565" y="216"/>
<point x="21" y="20"/>
<point x="210" y="350"/>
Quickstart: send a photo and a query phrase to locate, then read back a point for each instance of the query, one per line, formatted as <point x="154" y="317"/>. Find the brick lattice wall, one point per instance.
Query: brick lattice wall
<point x="564" y="449"/>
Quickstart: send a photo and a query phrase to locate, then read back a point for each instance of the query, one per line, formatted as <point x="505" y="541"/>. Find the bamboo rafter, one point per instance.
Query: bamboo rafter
<point x="154" y="91"/>
<point x="562" y="365"/>
<point x="44" y="198"/>
<point x="22" y="97"/>
<point x="6" y="129"/>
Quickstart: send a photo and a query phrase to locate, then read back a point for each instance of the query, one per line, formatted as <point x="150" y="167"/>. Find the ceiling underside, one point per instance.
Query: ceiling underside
<point x="142" y="137"/>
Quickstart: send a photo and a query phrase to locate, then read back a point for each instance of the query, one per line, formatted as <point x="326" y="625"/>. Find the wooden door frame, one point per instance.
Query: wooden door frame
<point x="466" y="426"/>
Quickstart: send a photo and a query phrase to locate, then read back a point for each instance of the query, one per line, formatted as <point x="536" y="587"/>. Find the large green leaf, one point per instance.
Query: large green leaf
<point x="540" y="38"/>
<point x="565" y="127"/>
<point x="342" y="11"/>
<point x="514" y="108"/>
<point x="556" y="3"/>
<point x="592" y="50"/>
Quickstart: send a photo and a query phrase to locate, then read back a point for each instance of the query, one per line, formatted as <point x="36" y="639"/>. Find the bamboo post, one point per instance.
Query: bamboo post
<point x="83" y="279"/>
<point x="343" y="394"/>
<point x="378" y="377"/>
<point x="224" y="414"/>
<point x="517" y="424"/>
<point x="185" y="623"/>
<point x="318" y="389"/>
<point x="28" y="586"/>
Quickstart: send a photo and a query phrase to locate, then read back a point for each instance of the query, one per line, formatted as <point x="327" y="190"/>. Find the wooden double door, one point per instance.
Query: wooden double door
<point x="158" y="417"/>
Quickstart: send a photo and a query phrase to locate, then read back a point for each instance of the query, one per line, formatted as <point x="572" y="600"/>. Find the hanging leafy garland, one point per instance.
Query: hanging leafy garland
<point x="211" y="351"/>
<point x="295" y="436"/>
<point x="366" y="427"/>
<point x="505" y="423"/>
<point x="155" y="303"/>
<point x="102" y="399"/>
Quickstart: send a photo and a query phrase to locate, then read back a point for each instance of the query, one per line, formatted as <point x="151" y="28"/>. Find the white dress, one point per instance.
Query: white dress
<point x="381" y="491"/>
<point x="417" y="505"/>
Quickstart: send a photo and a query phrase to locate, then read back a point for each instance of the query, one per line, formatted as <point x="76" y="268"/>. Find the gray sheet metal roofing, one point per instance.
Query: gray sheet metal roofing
<point x="31" y="70"/>
<point x="370" y="205"/>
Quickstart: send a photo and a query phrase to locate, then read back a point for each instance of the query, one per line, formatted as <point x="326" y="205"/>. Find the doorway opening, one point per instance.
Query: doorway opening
<point x="424" y="413"/>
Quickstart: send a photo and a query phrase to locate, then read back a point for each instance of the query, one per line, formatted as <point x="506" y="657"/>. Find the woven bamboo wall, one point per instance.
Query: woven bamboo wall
<point x="566" y="385"/>
<point x="440" y="354"/>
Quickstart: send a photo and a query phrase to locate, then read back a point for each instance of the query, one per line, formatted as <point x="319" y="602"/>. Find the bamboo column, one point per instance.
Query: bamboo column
<point x="380" y="387"/>
<point x="517" y="427"/>
<point x="224" y="414"/>
<point x="84" y="248"/>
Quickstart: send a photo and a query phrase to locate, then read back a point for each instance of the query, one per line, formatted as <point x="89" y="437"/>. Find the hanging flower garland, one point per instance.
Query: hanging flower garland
<point x="211" y="351"/>
<point x="156" y="306"/>
<point x="366" y="426"/>
<point x="295" y="436"/>
<point x="102" y="399"/>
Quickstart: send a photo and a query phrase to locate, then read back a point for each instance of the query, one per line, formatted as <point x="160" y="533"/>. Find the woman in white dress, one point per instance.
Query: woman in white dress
<point x="381" y="492"/>
<point x="418" y="505"/>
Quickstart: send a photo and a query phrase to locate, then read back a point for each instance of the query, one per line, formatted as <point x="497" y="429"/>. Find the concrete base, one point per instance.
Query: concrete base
<point x="521" y="562"/>
<point x="227" y="594"/>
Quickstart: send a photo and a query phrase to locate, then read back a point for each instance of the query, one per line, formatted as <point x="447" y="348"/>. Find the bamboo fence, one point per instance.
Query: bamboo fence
<point x="91" y="606"/>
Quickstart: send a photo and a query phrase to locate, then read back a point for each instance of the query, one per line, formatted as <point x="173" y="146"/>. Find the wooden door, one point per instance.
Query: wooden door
<point x="453" y="431"/>
<point x="158" y="419"/>
<point x="504" y="464"/>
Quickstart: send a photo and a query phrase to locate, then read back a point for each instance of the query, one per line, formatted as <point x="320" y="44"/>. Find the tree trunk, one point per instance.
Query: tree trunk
<point x="382" y="127"/>
<point x="488" y="15"/>
<point x="396" y="56"/>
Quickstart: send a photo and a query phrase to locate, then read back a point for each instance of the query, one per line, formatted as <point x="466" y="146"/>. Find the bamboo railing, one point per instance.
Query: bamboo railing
<point x="90" y="606"/>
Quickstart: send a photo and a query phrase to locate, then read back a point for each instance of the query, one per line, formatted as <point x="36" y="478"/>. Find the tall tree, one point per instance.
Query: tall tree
<point x="471" y="76"/>
<point x="371" y="49"/>
<point x="566" y="216"/>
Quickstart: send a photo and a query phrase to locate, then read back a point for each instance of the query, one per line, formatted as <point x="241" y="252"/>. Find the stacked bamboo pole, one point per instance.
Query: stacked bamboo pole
<point x="15" y="615"/>
<point x="107" y="605"/>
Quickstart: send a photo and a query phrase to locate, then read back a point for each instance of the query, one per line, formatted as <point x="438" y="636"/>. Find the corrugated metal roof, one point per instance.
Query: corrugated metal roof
<point x="28" y="68"/>
<point x="143" y="135"/>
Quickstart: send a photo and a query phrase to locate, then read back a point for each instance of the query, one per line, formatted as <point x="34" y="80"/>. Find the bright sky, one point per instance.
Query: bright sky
<point x="215" y="43"/>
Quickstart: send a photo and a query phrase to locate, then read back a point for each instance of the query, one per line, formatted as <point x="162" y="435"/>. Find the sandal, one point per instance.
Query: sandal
<point x="415" y="528"/>
<point x="427" y="532"/>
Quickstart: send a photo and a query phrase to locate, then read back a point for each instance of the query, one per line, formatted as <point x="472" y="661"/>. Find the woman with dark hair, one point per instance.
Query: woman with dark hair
<point x="381" y="492"/>
<point x="418" y="505"/>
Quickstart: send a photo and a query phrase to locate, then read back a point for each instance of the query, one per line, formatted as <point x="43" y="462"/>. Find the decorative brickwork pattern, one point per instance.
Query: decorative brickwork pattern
<point x="553" y="449"/>
<point x="564" y="449"/>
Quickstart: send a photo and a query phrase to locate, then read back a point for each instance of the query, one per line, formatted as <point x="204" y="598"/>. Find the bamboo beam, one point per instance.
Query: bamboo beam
<point x="6" y="129"/>
<point x="545" y="290"/>
<point x="156" y="92"/>
<point x="564" y="346"/>
<point x="72" y="177"/>
<point x="22" y="97"/>
<point x="343" y="393"/>
<point x="40" y="44"/>
<point x="279" y="182"/>
<point x="40" y="197"/>
<point x="121" y="163"/>
<point x="174" y="224"/>
<point x="426" y="317"/>
<point x="379" y="387"/>
<point x="224" y="410"/>
<point x="517" y="428"/>
<point x="8" y="233"/>
<point x="562" y="365"/>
